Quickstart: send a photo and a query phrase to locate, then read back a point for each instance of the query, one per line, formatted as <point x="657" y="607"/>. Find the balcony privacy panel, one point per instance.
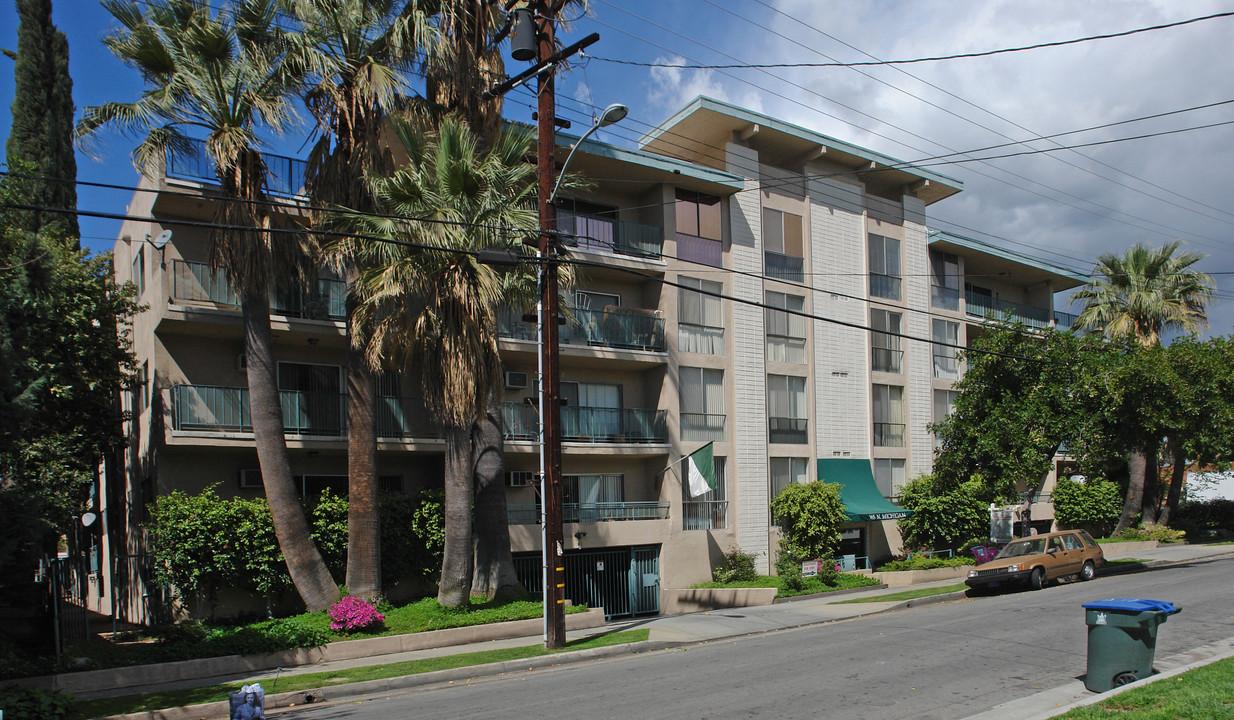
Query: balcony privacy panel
<point x="784" y="267"/>
<point x="700" y="250"/>
<point x="198" y="282"/>
<point x="787" y="430"/>
<point x="600" y="234"/>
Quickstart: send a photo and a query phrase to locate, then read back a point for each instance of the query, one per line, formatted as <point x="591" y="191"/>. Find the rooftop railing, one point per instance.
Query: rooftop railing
<point x="284" y="175"/>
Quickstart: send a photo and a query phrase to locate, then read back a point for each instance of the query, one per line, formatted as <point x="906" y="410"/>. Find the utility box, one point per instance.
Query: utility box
<point x="1122" y="640"/>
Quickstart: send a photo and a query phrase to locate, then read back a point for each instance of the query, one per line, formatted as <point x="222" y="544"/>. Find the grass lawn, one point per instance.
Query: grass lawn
<point x="810" y="586"/>
<point x="178" y="698"/>
<point x="1200" y="694"/>
<point x="907" y="594"/>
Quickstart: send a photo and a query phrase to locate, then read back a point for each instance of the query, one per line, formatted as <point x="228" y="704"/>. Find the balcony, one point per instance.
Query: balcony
<point x="589" y="425"/>
<point x="529" y="514"/>
<point x="284" y="175"/>
<point x="200" y="283"/>
<point x="885" y="286"/>
<point x="945" y="298"/>
<point x="888" y="434"/>
<point x="705" y="515"/>
<point x="788" y="430"/>
<point x="984" y="306"/>
<point x="611" y="328"/>
<point x="1064" y="320"/>
<point x="887" y="360"/>
<point x="700" y="427"/>
<point x="784" y="267"/>
<point x="213" y="409"/>
<point x="610" y="236"/>
<point x="692" y="248"/>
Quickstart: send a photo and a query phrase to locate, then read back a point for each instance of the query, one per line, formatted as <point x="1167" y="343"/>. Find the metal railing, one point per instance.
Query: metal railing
<point x="944" y="298"/>
<point x="930" y="553"/>
<point x="885" y="286"/>
<point x="610" y="236"/>
<point x="692" y="248"/>
<point x="784" y="267"/>
<point x="980" y="305"/>
<point x="1064" y="320"/>
<point x="405" y="417"/>
<point x="788" y="430"/>
<point x="887" y="360"/>
<point x="284" y="175"/>
<point x="198" y="282"/>
<point x="888" y="434"/>
<point x="702" y="427"/>
<point x="590" y="425"/>
<point x="705" y="515"/>
<point x="626" y="329"/>
<point x="529" y="514"/>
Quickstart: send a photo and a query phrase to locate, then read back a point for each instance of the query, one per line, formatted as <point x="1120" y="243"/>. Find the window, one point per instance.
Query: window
<point x="786" y="333"/>
<point x="888" y="476"/>
<point x="946" y="336"/>
<point x="887" y="353"/>
<point x="783" y="245"/>
<point x="702" y="404"/>
<point x="592" y="498"/>
<point x="944" y="280"/>
<point x="700" y="321"/>
<point x="786" y="409"/>
<point x="139" y="269"/>
<point x="699" y="228"/>
<point x="888" y="416"/>
<point x="591" y="410"/>
<point x="944" y="404"/>
<point x="885" y="267"/>
<point x="312" y="397"/>
<point x="788" y="470"/>
<point x="708" y="511"/>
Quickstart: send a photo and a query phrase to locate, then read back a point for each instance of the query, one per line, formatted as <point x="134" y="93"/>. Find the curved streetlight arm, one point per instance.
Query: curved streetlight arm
<point x="612" y="114"/>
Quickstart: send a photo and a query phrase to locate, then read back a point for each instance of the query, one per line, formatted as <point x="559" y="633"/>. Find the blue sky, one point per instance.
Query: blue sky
<point x="1065" y="207"/>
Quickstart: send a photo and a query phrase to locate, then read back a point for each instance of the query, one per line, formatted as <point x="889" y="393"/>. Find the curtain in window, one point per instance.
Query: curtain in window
<point x="786" y="396"/>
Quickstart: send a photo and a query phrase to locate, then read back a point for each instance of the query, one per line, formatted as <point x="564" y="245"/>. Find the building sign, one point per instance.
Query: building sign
<point x="887" y="516"/>
<point x="1001" y="522"/>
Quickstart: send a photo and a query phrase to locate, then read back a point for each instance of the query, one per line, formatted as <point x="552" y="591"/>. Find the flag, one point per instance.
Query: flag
<point x="702" y="471"/>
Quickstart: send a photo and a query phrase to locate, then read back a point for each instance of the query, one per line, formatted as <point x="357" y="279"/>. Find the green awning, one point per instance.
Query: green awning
<point x="861" y="497"/>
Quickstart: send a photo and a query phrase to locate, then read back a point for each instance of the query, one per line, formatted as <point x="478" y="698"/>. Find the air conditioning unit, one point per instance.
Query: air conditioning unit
<point x="242" y="362"/>
<point x="522" y="478"/>
<point x="250" y="478"/>
<point x="516" y="380"/>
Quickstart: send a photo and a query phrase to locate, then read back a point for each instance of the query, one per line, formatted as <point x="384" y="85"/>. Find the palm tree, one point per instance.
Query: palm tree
<point x="356" y="53"/>
<point x="225" y="76"/>
<point x="1138" y="296"/>
<point x="436" y="308"/>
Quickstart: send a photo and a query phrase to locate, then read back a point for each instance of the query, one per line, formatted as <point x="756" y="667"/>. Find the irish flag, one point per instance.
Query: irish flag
<point x="702" y="471"/>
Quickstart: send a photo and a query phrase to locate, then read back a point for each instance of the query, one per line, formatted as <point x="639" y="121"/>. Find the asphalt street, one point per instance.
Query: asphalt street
<point x="943" y="661"/>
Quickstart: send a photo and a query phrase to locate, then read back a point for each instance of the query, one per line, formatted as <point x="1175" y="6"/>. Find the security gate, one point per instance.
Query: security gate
<point x="624" y="581"/>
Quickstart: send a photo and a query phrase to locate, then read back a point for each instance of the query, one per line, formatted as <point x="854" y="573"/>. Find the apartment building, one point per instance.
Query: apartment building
<point x="743" y="282"/>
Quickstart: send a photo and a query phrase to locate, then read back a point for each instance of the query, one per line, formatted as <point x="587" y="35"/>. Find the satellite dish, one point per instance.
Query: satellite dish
<point x="161" y="241"/>
<point x="87" y="519"/>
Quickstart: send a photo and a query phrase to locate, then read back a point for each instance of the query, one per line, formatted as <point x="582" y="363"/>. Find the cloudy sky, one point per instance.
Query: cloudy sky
<point x="1066" y="207"/>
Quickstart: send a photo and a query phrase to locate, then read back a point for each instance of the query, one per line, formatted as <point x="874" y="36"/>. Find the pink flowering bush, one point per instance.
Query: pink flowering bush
<point x="352" y="613"/>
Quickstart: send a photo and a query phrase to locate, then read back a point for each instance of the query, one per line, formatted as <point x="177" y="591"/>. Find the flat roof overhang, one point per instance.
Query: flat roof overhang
<point x="984" y="258"/>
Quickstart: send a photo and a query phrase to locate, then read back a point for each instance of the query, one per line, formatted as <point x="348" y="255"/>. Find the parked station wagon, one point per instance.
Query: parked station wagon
<point x="1038" y="559"/>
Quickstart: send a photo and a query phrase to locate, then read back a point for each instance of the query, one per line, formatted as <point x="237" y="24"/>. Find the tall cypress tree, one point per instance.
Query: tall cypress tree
<point x="42" y="131"/>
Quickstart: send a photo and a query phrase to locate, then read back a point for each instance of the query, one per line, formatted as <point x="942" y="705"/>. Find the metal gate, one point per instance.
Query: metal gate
<point x="68" y="598"/>
<point x="623" y="581"/>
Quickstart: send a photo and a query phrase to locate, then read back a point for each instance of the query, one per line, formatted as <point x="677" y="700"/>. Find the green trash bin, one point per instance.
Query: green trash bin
<point x="1122" y="640"/>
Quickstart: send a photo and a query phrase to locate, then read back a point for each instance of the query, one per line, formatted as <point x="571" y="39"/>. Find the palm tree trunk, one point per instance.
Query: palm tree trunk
<point x="456" y="562"/>
<point x="1177" y="475"/>
<point x="495" y="577"/>
<point x="304" y="563"/>
<point x="1136" y="465"/>
<point x="363" y="518"/>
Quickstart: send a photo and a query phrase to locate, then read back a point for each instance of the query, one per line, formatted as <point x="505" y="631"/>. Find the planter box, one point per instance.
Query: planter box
<point x="901" y="578"/>
<point x="1126" y="548"/>
<point x="680" y="602"/>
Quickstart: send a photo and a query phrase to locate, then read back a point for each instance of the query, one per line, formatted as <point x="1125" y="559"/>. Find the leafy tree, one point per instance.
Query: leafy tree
<point x="1093" y="505"/>
<point x="42" y="130"/>
<point x="944" y="516"/>
<point x="1138" y="296"/>
<point x="192" y="541"/>
<point x="811" y="515"/>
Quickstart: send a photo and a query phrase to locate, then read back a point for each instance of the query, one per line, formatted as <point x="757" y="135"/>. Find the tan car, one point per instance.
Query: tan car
<point x="1038" y="559"/>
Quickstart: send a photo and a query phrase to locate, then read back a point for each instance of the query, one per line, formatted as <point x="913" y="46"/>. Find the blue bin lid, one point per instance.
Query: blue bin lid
<point x="1132" y="605"/>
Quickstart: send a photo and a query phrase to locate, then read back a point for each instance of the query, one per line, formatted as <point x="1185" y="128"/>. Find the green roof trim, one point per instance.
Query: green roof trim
<point x="653" y="161"/>
<point x="862" y="500"/>
<point x="1001" y="252"/>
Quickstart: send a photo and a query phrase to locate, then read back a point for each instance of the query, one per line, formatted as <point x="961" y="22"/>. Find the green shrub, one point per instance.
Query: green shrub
<point x="1149" y="531"/>
<point x="788" y="569"/>
<point x="943" y="519"/>
<point x="925" y="562"/>
<point x="1093" y="505"/>
<point x="27" y="703"/>
<point x="735" y="566"/>
<point x="1207" y="519"/>
<point x="810" y="515"/>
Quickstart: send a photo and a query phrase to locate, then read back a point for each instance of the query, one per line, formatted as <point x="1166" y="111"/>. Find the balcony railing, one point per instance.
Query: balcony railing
<point x="590" y="425"/>
<point x="888" y="434"/>
<point x="788" y="430"/>
<point x="208" y="408"/>
<point x="784" y="267"/>
<point x="615" y="328"/>
<point x="706" y="515"/>
<point x="529" y="514"/>
<point x="981" y="305"/>
<point x="610" y="236"/>
<point x="1064" y="320"/>
<point x="885" y="286"/>
<point x="702" y="427"/>
<point x="285" y="175"/>
<point x="887" y="360"/>
<point x="692" y="248"/>
<point x="198" y="282"/>
<point x="944" y="298"/>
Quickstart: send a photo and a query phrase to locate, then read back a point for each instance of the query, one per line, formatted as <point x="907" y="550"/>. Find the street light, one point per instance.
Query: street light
<point x="612" y="115"/>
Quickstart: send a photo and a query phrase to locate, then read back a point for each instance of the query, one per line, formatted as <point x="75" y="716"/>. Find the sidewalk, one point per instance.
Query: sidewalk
<point x="671" y="631"/>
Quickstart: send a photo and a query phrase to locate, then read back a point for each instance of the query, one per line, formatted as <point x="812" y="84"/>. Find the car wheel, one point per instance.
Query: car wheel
<point x="1036" y="581"/>
<point x="1087" y="572"/>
